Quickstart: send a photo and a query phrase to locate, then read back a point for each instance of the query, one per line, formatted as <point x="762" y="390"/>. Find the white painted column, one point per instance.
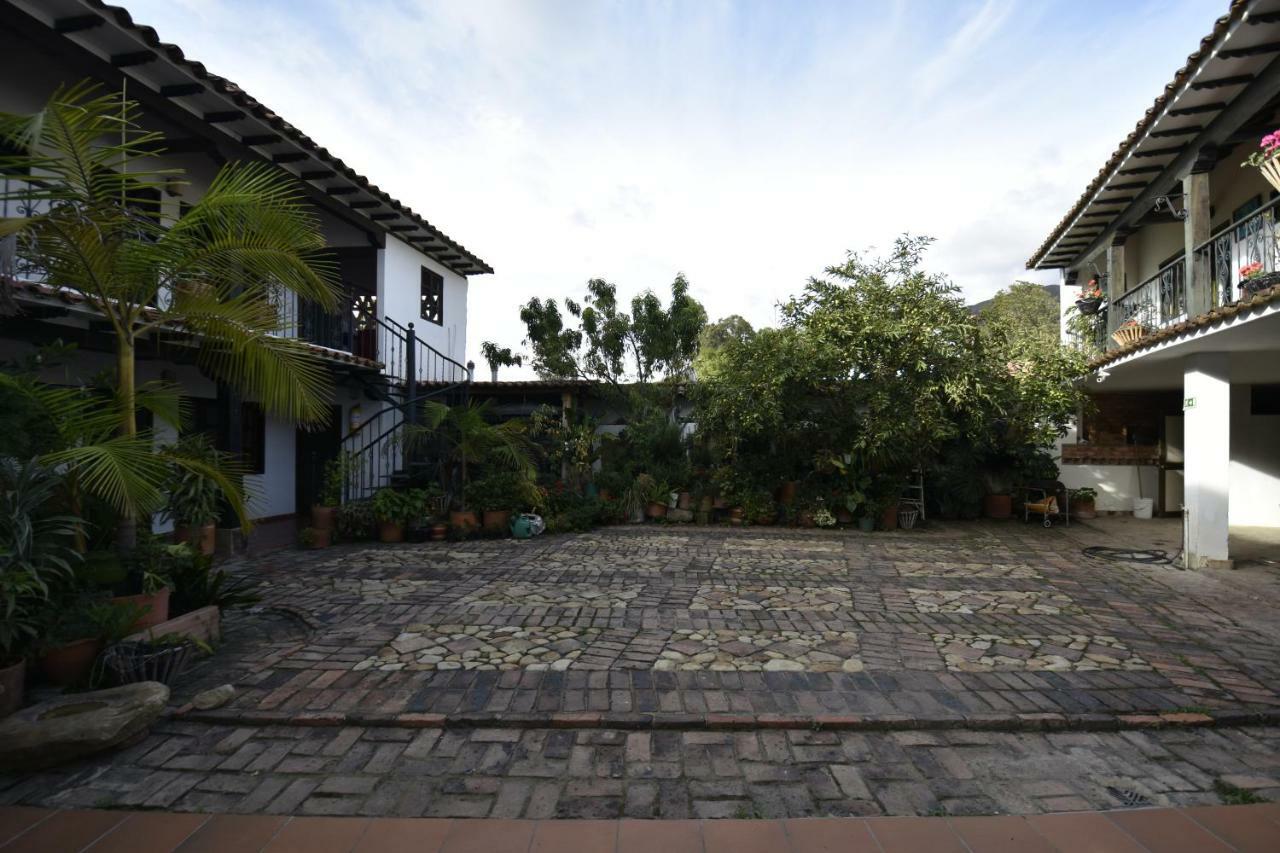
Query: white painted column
<point x="1207" y="410"/>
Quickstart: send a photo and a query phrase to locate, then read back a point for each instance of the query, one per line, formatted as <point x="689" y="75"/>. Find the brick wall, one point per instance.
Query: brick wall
<point x="1123" y="429"/>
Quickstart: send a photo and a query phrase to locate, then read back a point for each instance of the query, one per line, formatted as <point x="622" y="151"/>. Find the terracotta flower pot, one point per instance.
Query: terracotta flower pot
<point x="390" y="531"/>
<point x="323" y="517"/>
<point x="787" y="492"/>
<point x="997" y="506"/>
<point x="321" y="538"/>
<point x="1083" y="509"/>
<point x="439" y="532"/>
<point x="843" y="516"/>
<point x="203" y="538"/>
<point x="156" y="605"/>
<point x="706" y="504"/>
<point x="464" y="520"/>
<point x="497" y="520"/>
<point x="684" y="501"/>
<point x="889" y="518"/>
<point x="70" y="663"/>
<point x="736" y="515"/>
<point x="805" y="519"/>
<point x="13" y="679"/>
<point x="656" y="509"/>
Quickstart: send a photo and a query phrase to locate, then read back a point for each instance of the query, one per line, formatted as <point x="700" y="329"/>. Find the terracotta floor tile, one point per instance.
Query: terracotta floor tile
<point x="150" y="832"/>
<point x="999" y="834"/>
<point x="404" y="835"/>
<point x="914" y="835"/>
<point x="1085" y="832"/>
<point x="319" y="835"/>
<point x="1167" y="831"/>
<point x="669" y="836"/>
<point x="830" y="835"/>
<point x="226" y="832"/>
<point x="743" y="836"/>
<point x="1248" y="829"/>
<point x="69" y="830"/>
<point x="576" y="836"/>
<point x="489" y="836"/>
<point x="17" y="819"/>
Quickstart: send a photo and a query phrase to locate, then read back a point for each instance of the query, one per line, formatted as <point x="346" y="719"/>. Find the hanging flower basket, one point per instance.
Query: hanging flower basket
<point x="1257" y="283"/>
<point x="1089" y="306"/>
<point x="1267" y="158"/>
<point x="1130" y="333"/>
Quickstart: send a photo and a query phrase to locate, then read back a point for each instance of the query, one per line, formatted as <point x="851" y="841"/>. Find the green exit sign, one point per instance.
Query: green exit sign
<point x="1189" y="403"/>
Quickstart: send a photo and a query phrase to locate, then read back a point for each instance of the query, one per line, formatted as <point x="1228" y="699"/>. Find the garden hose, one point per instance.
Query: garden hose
<point x="1154" y="556"/>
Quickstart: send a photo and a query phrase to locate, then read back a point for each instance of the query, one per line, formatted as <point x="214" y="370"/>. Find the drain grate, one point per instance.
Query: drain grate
<point x="1130" y="799"/>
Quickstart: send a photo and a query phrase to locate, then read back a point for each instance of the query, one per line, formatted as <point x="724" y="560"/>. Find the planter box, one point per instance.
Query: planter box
<point x="204" y="624"/>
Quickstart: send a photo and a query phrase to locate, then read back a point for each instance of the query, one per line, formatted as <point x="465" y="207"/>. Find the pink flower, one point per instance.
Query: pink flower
<point x="1271" y="141"/>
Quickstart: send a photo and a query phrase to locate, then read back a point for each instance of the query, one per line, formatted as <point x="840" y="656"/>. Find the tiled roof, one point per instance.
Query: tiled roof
<point x="1139" y="135"/>
<point x="452" y="253"/>
<point x="1208" y="318"/>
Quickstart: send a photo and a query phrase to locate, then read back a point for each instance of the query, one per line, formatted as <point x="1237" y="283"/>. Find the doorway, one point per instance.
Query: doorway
<point x="315" y="448"/>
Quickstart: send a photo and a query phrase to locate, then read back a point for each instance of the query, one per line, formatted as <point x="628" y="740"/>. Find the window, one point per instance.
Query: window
<point x="432" y="297"/>
<point x="253" y="430"/>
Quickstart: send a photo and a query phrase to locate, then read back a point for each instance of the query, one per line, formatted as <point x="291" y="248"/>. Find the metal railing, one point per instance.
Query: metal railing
<point x="1226" y="254"/>
<point x="1157" y="302"/>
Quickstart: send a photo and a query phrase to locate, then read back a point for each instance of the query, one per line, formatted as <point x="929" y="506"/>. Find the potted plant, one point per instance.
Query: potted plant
<point x="1264" y="159"/>
<point x="310" y="538"/>
<point x="355" y="520"/>
<point x="1130" y="332"/>
<point x="194" y="497"/>
<point x="79" y="632"/>
<point x="656" y="500"/>
<point x="146" y="581"/>
<point x="394" y="509"/>
<point x="1254" y="278"/>
<point x="1090" y="300"/>
<point x="824" y="518"/>
<point x="758" y="507"/>
<point x="1082" y="502"/>
<point x="324" y="512"/>
<point x="494" y="495"/>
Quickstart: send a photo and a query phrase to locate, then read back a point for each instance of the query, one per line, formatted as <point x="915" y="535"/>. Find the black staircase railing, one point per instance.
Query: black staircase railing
<point x="382" y="451"/>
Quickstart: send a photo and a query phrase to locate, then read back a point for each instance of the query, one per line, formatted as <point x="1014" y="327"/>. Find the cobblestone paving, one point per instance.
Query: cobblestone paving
<point x="601" y="773"/>
<point x="950" y="621"/>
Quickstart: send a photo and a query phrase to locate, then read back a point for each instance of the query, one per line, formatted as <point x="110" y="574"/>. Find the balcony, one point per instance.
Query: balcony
<point x="1155" y="303"/>
<point x="1241" y="244"/>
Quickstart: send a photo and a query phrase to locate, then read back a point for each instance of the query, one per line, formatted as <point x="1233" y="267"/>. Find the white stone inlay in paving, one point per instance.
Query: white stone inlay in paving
<point x="760" y="597"/>
<point x="966" y="570"/>
<point x="523" y="594"/>
<point x="442" y="647"/>
<point x="1058" y="652"/>
<point x="757" y="651"/>
<point x="1020" y="602"/>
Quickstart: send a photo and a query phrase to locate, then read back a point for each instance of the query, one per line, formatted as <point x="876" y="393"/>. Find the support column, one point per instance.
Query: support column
<point x="1115" y="280"/>
<point x="1207" y="452"/>
<point x="1195" y="198"/>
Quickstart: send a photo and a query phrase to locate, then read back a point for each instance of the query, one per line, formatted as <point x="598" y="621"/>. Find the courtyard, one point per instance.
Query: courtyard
<point x="678" y="672"/>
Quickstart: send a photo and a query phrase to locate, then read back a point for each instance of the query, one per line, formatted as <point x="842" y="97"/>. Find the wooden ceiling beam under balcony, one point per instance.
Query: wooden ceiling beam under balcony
<point x="1221" y="82"/>
<point x="181" y="90"/>
<point x="257" y="139"/>
<point x="290" y="157"/>
<point x="132" y="58"/>
<point x="1252" y="50"/>
<point x="77" y="23"/>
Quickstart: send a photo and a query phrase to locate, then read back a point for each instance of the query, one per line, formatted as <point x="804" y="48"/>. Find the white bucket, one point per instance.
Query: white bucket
<point x="1142" y="507"/>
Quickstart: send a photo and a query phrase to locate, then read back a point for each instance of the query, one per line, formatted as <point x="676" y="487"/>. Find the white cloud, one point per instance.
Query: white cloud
<point x="747" y="145"/>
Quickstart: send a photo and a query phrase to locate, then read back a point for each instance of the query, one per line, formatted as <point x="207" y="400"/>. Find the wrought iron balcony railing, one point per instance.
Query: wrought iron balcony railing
<point x="1248" y="248"/>
<point x="1157" y="302"/>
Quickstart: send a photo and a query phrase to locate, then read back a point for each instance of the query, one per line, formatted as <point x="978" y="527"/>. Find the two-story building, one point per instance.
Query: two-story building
<point x="1181" y="239"/>
<point x="398" y="271"/>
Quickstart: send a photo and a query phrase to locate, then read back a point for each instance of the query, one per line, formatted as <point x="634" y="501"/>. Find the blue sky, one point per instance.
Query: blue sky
<point x="746" y="144"/>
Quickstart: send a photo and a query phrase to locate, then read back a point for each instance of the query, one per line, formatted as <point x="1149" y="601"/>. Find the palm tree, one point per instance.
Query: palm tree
<point x="212" y="280"/>
<point x="468" y="437"/>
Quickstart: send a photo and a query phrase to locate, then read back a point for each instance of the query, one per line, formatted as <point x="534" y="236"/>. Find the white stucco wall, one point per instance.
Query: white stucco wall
<point x="1255" y="464"/>
<point x="399" y="297"/>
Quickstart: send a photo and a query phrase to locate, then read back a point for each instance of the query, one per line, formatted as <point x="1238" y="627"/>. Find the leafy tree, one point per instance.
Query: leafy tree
<point x="216" y="277"/>
<point x="714" y="338"/>
<point x="606" y="344"/>
<point x="1027" y="315"/>
<point x="469" y="437"/>
<point x="499" y="357"/>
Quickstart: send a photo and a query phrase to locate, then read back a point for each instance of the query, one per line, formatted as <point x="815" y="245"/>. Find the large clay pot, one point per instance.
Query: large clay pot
<point x="464" y="520"/>
<point x="997" y="506"/>
<point x="439" y="532"/>
<point x="390" y="531"/>
<point x="1083" y="509"/>
<point x="156" y="604"/>
<point x="70" y="663"/>
<point x="497" y="520"/>
<point x="656" y="509"/>
<point x="203" y="538"/>
<point x="889" y="518"/>
<point x="684" y="501"/>
<point x="13" y="680"/>
<point x="787" y="492"/>
<point x="736" y="515"/>
<point x="321" y="538"/>
<point x="323" y="517"/>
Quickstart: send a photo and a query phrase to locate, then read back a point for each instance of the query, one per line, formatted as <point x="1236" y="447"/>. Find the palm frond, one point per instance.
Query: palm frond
<point x="124" y="471"/>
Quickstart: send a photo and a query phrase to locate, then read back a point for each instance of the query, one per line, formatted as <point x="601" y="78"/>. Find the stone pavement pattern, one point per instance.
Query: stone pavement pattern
<point x="954" y="621"/>
<point x="1249" y="829"/>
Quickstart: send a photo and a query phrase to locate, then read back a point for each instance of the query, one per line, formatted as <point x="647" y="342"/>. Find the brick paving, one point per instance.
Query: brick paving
<point x="952" y="622"/>
<point x="716" y="674"/>
<point x="1216" y="828"/>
